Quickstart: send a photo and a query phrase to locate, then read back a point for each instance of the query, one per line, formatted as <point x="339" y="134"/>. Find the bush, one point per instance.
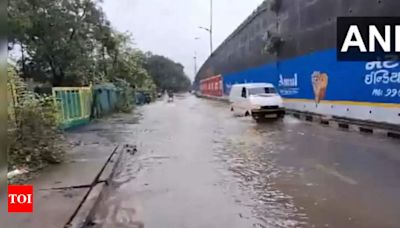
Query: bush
<point x="125" y="96"/>
<point x="34" y="138"/>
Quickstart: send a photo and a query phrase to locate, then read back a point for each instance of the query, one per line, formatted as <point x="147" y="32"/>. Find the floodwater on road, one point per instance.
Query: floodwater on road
<point x="198" y="166"/>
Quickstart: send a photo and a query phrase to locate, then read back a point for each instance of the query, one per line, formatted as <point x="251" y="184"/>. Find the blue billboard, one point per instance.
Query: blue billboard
<point x="319" y="76"/>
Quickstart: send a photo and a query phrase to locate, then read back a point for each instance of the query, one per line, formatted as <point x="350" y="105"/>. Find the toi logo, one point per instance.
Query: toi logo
<point x="20" y="198"/>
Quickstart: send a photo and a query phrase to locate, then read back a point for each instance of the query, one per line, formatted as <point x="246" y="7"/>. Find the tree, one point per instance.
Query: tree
<point x="122" y="61"/>
<point x="59" y="39"/>
<point x="167" y="74"/>
<point x="71" y="43"/>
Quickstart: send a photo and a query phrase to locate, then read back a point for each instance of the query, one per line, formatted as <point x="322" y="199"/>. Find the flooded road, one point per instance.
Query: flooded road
<point x="198" y="166"/>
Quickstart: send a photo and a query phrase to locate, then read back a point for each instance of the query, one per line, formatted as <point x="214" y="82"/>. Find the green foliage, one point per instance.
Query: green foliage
<point x="34" y="139"/>
<point x="71" y="43"/>
<point x="125" y="95"/>
<point x="126" y="63"/>
<point x="61" y="40"/>
<point x="167" y="74"/>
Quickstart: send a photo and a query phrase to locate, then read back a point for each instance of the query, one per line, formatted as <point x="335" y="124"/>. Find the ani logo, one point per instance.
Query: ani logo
<point x="320" y="84"/>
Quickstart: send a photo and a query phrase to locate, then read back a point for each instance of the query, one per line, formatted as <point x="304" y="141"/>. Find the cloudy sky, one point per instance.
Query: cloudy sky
<point x="168" y="27"/>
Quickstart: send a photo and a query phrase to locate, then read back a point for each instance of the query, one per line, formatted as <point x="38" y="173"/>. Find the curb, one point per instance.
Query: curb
<point x="368" y="128"/>
<point x="84" y="211"/>
<point x="364" y="127"/>
<point x="222" y="99"/>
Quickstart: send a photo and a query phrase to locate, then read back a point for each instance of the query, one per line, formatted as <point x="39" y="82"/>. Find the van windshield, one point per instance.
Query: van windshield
<point x="262" y="90"/>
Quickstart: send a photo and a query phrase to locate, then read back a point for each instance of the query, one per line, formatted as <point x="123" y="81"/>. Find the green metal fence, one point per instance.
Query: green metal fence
<point x="74" y="105"/>
<point x="11" y="96"/>
<point x="105" y="99"/>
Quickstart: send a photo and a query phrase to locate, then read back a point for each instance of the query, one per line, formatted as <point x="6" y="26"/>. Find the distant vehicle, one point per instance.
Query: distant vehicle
<point x="170" y="96"/>
<point x="197" y="93"/>
<point x="159" y="95"/>
<point x="147" y="98"/>
<point x="260" y="100"/>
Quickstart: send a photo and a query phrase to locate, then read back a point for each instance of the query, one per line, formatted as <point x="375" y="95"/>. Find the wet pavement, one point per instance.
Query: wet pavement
<point x="198" y="166"/>
<point x="60" y="189"/>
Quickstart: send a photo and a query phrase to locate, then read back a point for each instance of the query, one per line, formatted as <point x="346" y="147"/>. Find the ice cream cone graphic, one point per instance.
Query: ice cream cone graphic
<point x="320" y="85"/>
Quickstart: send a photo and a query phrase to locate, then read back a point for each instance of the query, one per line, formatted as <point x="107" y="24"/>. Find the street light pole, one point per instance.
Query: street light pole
<point x="210" y="29"/>
<point x="211" y="26"/>
<point x="195" y="59"/>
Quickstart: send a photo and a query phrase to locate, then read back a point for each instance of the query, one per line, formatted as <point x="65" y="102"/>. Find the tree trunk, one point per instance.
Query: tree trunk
<point x="104" y="61"/>
<point x="57" y="78"/>
<point x="23" y="58"/>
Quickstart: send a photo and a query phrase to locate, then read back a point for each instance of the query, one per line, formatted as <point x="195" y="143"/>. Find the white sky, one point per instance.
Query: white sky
<point x="168" y="27"/>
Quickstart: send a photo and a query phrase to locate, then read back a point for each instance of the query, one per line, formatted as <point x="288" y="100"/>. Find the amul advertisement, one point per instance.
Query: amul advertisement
<point x="319" y="76"/>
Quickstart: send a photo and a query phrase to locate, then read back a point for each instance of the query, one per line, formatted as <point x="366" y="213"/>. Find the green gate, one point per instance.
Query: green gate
<point x="74" y="105"/>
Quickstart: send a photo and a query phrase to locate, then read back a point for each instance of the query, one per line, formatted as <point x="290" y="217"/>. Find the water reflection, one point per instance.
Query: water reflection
<point x="249" y="155"/>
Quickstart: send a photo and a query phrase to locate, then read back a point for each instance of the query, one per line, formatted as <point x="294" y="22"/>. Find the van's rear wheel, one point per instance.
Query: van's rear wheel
<point x="232" y="109"/>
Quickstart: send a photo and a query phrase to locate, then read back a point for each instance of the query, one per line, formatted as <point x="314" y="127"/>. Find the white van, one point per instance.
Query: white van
<point x="260" y="100"/>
